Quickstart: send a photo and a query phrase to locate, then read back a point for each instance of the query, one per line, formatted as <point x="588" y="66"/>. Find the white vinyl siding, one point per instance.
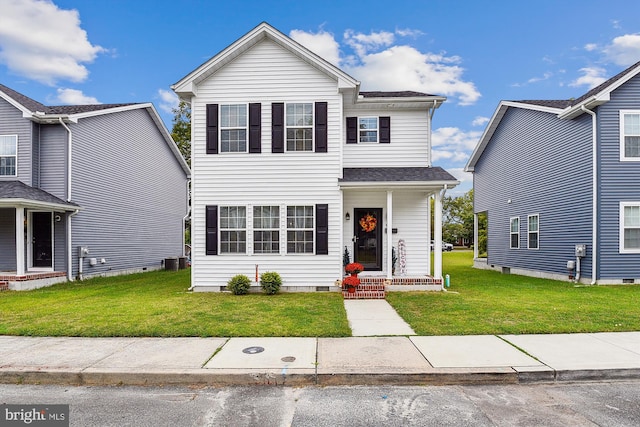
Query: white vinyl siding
<point x="514" y="234"/>
<point x="8" y="155"/>
<point x="267" y="73"/>
<point x="409" y="146"/>
<point x="233" y="128"/>
<point x="630" y="227"/>
<point x="630" y="135"/>
<point x="533" y="233"/>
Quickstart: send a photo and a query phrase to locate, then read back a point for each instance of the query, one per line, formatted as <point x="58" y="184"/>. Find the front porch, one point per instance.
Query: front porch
<point x="28" y="281"/>
<point x="376" y="287"/>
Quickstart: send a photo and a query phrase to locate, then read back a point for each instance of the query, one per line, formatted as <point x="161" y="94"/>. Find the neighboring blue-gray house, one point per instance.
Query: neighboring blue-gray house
<point x="107" y="178"/>
<point x="559" y="182"/>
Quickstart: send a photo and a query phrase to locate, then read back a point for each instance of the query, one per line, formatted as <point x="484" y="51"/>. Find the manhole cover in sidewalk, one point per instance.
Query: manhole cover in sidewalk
<point x="288" y="359"/>
<point x="253" y="350"/>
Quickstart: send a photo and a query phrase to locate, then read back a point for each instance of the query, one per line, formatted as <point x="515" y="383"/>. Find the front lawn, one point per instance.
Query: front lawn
<point x="488" y="302"/>
<point x="158" y="304"/>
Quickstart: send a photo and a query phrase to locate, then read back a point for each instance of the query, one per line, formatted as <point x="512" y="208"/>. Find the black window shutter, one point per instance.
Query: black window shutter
<point x="322" y="229"/>
<point x="352" y="130"/>
<point x="385" y="129"/>
<point x="255" y="127"/>
<point x="277" y="127"/>
<point x="211" y="224"/>
<point x="212" y="128"/>
<point x="321" y="127"/>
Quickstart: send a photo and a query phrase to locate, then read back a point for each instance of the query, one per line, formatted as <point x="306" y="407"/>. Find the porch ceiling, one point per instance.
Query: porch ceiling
<point x="18" y="194"/>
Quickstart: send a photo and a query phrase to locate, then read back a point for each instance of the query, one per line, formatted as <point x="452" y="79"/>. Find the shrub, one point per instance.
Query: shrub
<point x="270" y="282"/>
<point x="239" y="284"/>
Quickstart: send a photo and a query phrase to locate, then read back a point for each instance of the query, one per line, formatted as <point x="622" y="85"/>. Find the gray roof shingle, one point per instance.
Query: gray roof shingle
<point x="20" y="190"/>
<point x="398" y="94"/>
<point x="397" y="174"/>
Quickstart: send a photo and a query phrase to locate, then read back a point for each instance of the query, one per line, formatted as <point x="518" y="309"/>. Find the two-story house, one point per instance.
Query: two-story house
<point x="559" y="182"/>
<point x="293" y="165"/>
<point x="105" y="178"/>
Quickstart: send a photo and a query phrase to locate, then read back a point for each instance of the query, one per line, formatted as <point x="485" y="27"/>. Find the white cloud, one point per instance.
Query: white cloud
<point x="321" y="43"/>
<point x="480" y="121"/>
<point x="68" y="96"/>
<point x="624" y="50"/>
<point x="44" y="43"/>
<point x="591" y="77"/>
<point x="381" y="64"/>
<point x="545" y="76"/>
<point x="589" y="47"/>
<point x="453" y="145"/>
<point x="168" y="100"/>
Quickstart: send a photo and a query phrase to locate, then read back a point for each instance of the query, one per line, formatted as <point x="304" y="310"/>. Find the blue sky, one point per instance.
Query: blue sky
<point x="475" y="53"/>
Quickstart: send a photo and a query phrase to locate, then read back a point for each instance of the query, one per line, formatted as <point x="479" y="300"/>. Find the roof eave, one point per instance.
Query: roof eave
<point x="428" y="185"/>
<point x="591" y="103"/>
<point x="36" y="204"/>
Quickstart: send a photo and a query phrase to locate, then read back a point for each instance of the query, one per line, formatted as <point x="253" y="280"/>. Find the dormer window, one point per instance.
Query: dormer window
<point x="8" y="155"/>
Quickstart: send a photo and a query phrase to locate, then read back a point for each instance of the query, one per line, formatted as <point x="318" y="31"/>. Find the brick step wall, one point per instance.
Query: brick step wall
<point x="4" y="286"/>
<point x="366" y="291"/>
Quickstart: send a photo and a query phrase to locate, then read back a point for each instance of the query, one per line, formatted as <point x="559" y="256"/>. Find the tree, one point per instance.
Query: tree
<point x="181" y="132"/>
<point x="457" y="217"/>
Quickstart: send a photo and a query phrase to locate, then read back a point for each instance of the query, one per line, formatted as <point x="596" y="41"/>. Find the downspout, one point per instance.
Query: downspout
<point x="432" y="111"/>
<point x="184" y="219"/>
<point x="69" y="243"/>
<point x="594" y="161"/>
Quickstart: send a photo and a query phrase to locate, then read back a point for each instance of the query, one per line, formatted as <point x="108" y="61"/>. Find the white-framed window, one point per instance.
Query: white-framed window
<point x="514" y="233"/>
<point x="299" y="126"/>
<point x="233" y="128"/>
<point x="233" y="229"/>
<point x="630" y="135"/>
<point x="8" y="155"/>
<point x="367" y="129"/>
<point x="300" y="229"/>
<point x="533" y="231"/>
<point x="266" y="229"/>
<point x="629" y="227"/>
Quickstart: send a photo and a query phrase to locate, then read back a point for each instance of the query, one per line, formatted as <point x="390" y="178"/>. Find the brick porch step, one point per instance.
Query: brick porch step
<point x="4" y="286"/>
<point x="366" y="291"/>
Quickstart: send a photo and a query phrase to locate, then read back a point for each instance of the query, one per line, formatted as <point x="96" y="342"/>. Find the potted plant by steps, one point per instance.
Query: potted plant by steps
<point x="350" y="283"/>
<point x="354" y="268"/>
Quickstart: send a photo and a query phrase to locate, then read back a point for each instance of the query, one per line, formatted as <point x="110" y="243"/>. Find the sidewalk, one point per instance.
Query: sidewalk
<point x="397" y="360"/>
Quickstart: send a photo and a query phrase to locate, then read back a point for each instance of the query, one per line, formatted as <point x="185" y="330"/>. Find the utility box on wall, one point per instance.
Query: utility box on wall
<point x="83" y="251"/>
<point x="581" y="251"/>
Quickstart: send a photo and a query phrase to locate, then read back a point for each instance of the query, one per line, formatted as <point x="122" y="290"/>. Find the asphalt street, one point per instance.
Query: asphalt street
<point x="566" y="404"/>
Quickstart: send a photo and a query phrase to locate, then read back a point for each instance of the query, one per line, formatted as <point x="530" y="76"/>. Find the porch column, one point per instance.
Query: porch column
<point x="389" y="234"/>
<point x="429" y="237"/>
<point x="437" y="241"/>
<point x="20" y="262"/>
<point x="475" y="236"/>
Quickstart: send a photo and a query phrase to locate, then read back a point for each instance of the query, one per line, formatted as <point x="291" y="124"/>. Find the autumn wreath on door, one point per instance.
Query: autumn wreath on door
<point x="368" y="222"/>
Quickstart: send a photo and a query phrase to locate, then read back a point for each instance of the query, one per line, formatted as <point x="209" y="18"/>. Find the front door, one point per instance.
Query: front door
<point x="368" y="238"/>
<point x="41" y="244"/>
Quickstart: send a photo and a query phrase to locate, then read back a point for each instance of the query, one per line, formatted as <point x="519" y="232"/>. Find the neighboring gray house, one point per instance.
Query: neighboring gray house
<point x="559" y="182"/>
<point x="107" y="178"/>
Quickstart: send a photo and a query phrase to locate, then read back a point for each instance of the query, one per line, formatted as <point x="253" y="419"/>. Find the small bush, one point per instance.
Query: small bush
<point x="270" y="282"/>
<point x="239" y="284"/>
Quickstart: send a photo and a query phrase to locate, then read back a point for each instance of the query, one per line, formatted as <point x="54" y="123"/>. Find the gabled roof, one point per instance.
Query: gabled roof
<point x="564" y="109"/>
<point x="38" y="112"/>
<point x="185" y="88"/>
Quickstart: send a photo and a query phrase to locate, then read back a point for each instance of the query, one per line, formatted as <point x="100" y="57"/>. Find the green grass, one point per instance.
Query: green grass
<point x="488" y="302"/>
<point x="158" y="304"/>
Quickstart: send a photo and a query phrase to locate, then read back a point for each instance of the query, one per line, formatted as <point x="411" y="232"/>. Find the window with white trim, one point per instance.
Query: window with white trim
<point x="8" y="155"/>
<point x="233" y="229"/>
<point x="233" y="128"/>
<point x="299" y="126"/>
<point x="300" y="229"/>
<point x="533" y="233"/>
<point x="266" y="229"/>
<point x="514" y="233"/>
<point x="368" y="129"/>
<point x="630" y="227"/>
<point x="630" y="135"/>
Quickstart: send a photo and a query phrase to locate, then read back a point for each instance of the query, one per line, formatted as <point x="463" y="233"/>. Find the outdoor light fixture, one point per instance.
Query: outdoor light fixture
<point x="347" y="217"/>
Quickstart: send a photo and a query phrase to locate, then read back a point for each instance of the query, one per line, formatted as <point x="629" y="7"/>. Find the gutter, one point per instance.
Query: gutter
<point x="594" y="251"/>
<point x="69" y="146"/>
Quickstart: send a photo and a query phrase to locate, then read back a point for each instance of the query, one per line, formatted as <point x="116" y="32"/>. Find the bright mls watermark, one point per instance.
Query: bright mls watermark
<point x="34" y="415"/>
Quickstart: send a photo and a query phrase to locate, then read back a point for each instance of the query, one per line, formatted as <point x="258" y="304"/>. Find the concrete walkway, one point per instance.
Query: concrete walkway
<point x="374" y="317"/>
<point x="399" y="360"/>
